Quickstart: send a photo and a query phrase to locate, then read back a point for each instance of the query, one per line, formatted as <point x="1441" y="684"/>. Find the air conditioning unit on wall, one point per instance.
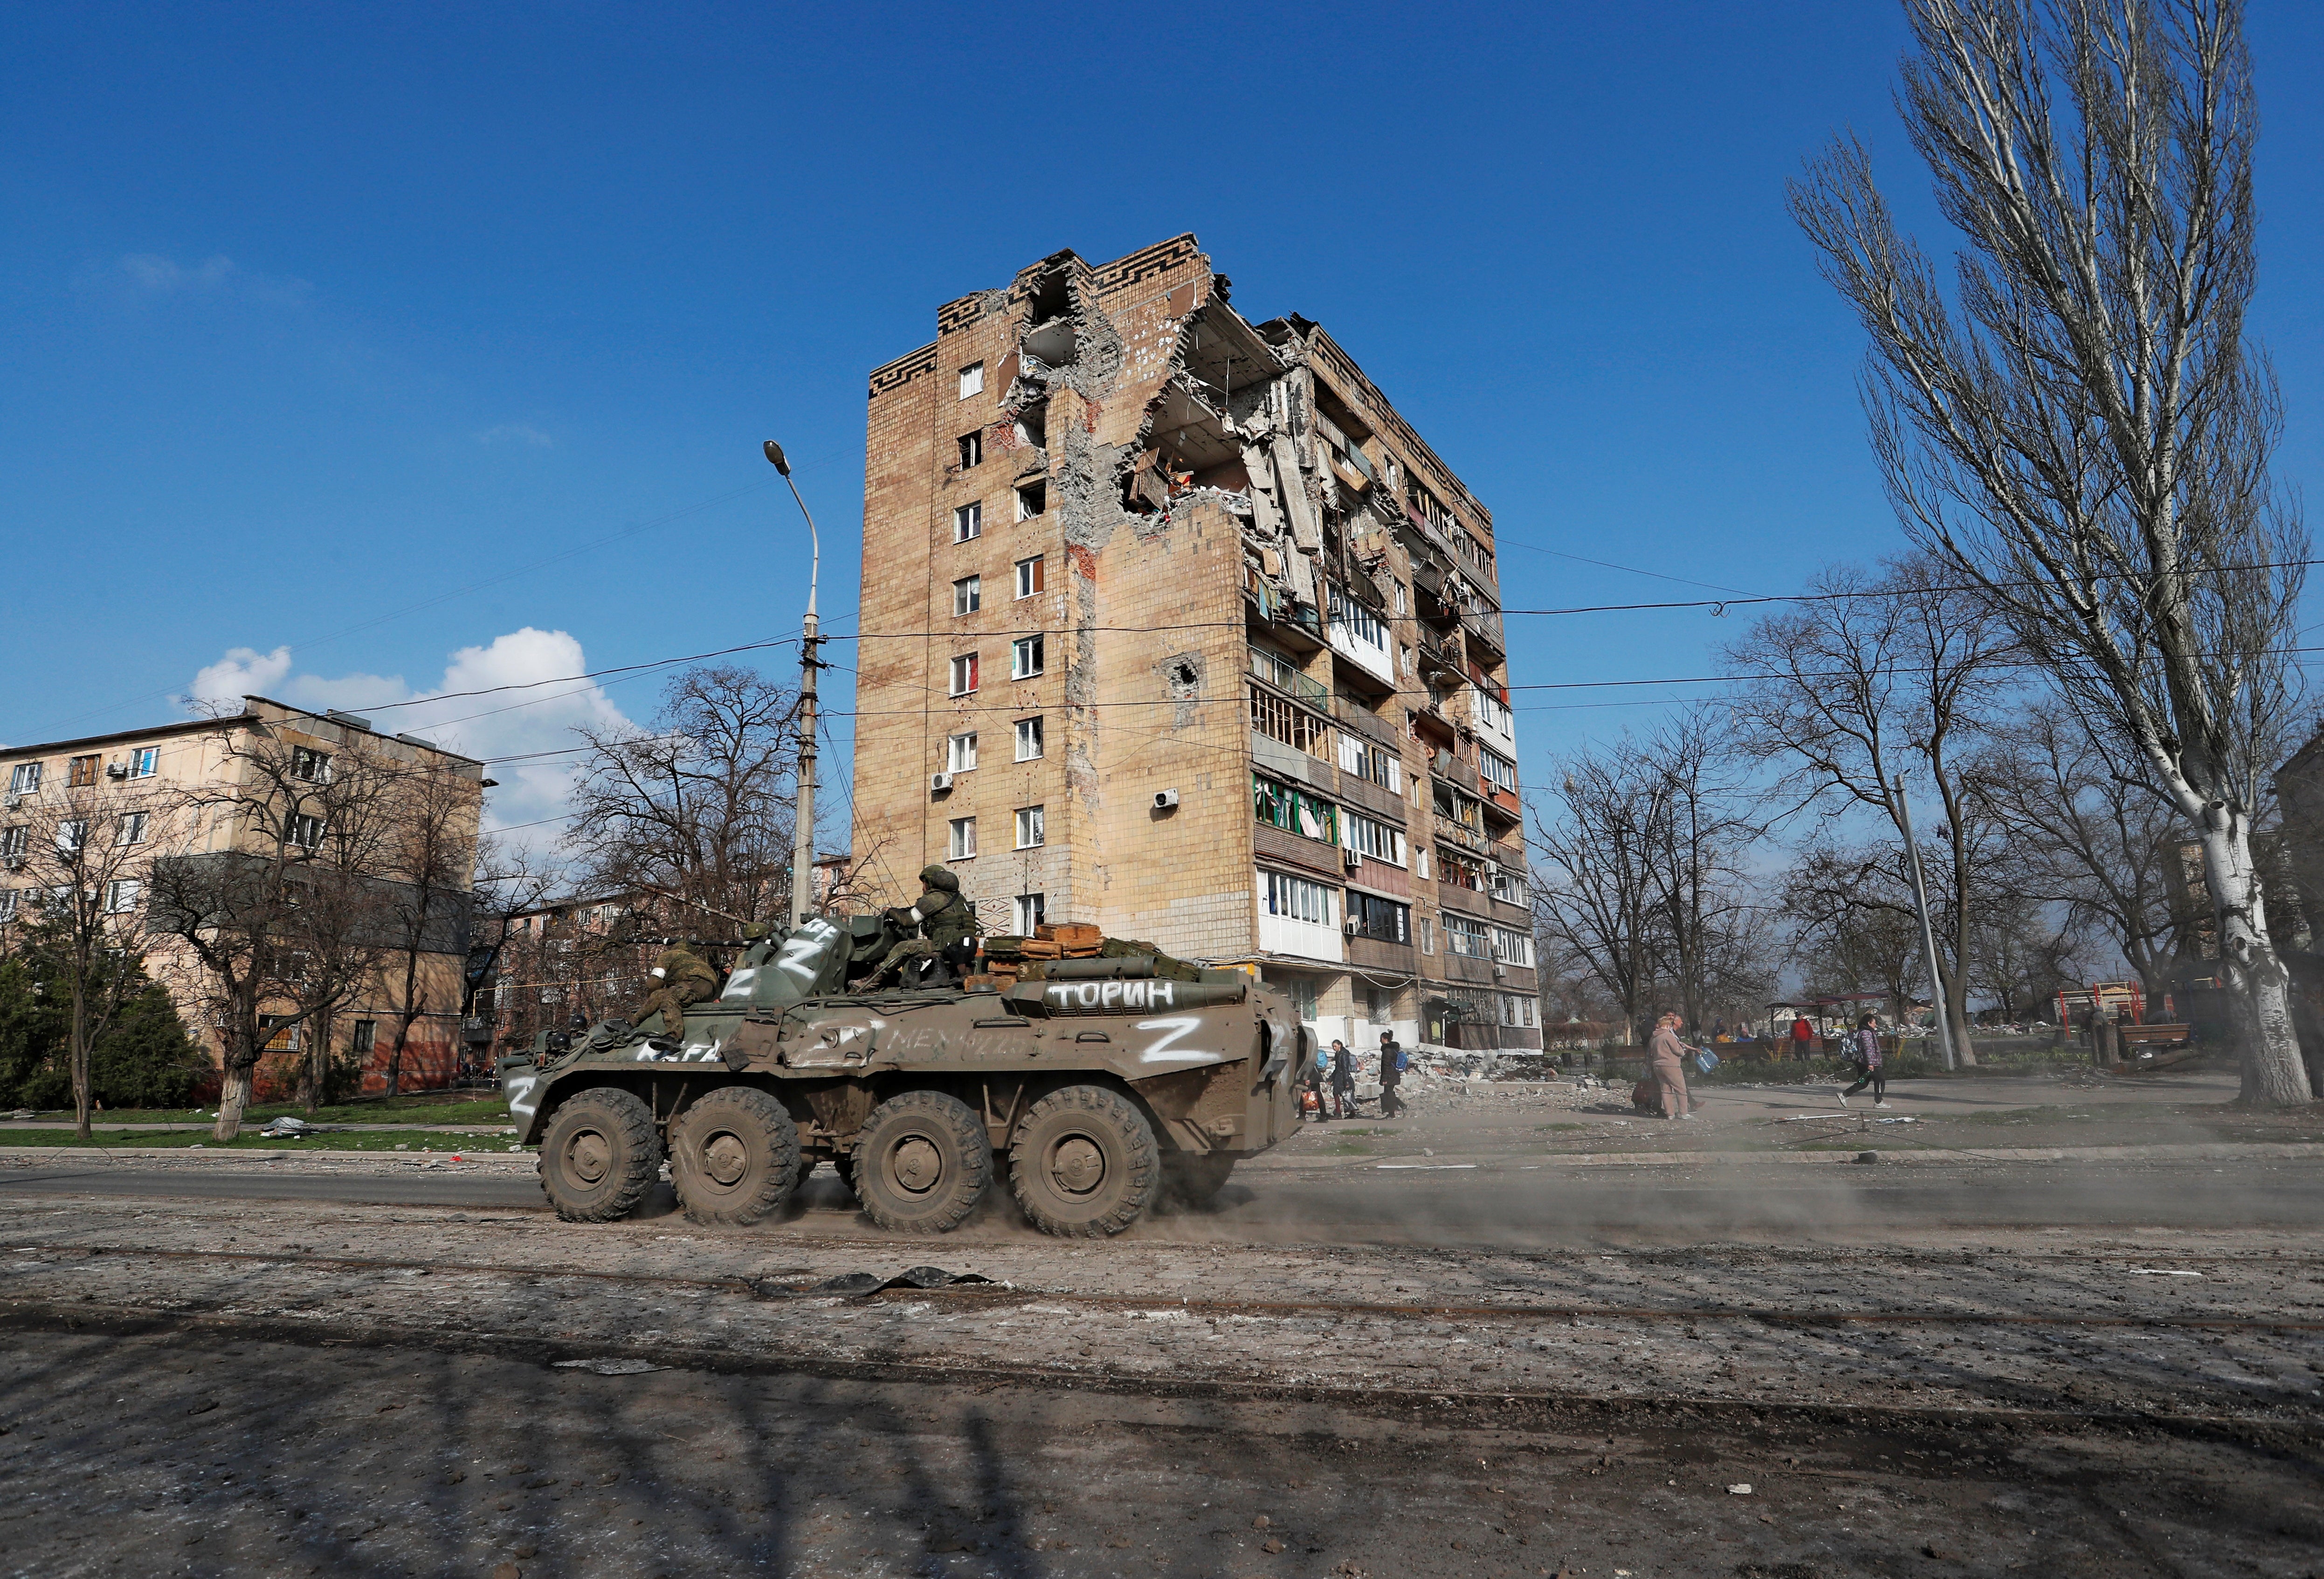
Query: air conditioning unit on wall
<point x="939" y="782"/>
<point x="1351" y="859"/>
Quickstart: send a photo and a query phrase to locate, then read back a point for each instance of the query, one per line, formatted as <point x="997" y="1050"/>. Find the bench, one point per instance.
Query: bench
<point x="2153" y="1036"/>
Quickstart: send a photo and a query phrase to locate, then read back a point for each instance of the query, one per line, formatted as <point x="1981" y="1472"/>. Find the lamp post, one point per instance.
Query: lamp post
<point x="803" y="832"/>
<point x="1928" y="933"/>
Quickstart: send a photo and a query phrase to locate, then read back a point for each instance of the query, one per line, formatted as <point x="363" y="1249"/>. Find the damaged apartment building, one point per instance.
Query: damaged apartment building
<point x="1172" y="624"/>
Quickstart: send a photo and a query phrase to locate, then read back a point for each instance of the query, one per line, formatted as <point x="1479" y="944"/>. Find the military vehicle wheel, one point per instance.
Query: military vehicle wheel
<point x="734" y="1156"/>
<point x="1195" y="1182"/>
<point x="922" y="1163"/>
<point x="600" y="1156"/>
<point x="1083" y="1162"/>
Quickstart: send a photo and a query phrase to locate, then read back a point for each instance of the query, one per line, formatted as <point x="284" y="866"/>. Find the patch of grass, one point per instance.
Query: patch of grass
<point x="419" y="1142"/>
<point x="403" y="1111"/>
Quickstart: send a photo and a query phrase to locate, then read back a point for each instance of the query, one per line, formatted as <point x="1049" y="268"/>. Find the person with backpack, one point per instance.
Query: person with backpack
<point x="1864" y="1052"/>
<point x="1391" y="1075"/>
<point x="1343" y="1080"/>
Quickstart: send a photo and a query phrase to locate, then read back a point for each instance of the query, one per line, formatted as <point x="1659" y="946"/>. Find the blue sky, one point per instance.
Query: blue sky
<point x="436" y="344"/>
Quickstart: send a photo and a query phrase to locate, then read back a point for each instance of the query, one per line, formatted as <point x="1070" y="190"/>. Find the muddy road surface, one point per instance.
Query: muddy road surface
<point x="1607" y="1359"/>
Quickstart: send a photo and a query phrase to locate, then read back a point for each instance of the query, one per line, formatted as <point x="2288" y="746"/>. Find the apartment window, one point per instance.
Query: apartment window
<point x="959" y="752"/>
<point x="1031" y="827"/>
<point x="1383" y="920"/>
<point x="1379" y="1005"/>
<point x="971" y="451"/>
<point x="1471" y="939"/>
<point x="286" y="1032"/>
<point x="963" y="674"/>
<point x="81" y="773"/>
<point x="1375" y="840"/>
<point x="967" y="594"/>
<point x="1025" y="657"/>
<point x="1512" y="947"/>
<point x="1293" y="811"/>
<point x="133" y="829"/>
<point x="1032" y="574"/>
<point x="24" y="779"/>
<point x="1497" y="770"/>
<point x="145" y="763"/>
<point x="1420" y="860"/>
<point x="1032" y="499"/>
<point x="305" y="830"/>
<point x="1376" y="763"/>
<point x="963" y="841"/>
<point x="313" y="767"/>
<point x="968" y="521"/>
<point x="1493" y="713"/>
<point x="1361" y="624"/>
<point x="8" y="904"/>
<point x="1427" y="931"/>
<point x="121" y="896"/>
<point x="366" y="1037"/>
<point x="1277" y="719"/>
<point x="1032" y="911"/>
<point x="1459" y="870"/>
<point x="1028" y="739"/>
<point x="1303" y="997"/>
<point x="1519" y="1009"/>
<point x="1295" y="899"/>
<point x="972" y="380"/>
<point x="71" y="835"/>
<point x="12" y="841"/>
<point x="1509" y="887"/>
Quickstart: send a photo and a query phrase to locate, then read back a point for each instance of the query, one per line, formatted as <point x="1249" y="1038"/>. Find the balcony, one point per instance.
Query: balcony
<point x="1268" y="667"/>
<point x="1440" y="665"/>
<point x="1296" y="624"/>
<point x="1461" y="835"/>
<point x="1452" y="770"/>
<point x="1483" y="626"/>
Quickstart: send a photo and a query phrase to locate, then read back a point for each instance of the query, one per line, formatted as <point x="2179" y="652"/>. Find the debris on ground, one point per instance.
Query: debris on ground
<point x="609" y="1366"/>
<point x="863" y="1285"/>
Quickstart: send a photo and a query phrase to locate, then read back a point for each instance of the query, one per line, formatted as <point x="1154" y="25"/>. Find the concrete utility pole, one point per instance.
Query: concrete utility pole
<point x="803" y="831"/>
<point x="1928" y="933"/>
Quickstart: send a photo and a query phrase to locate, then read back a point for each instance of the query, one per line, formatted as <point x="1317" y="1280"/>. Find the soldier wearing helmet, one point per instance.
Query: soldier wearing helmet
<point x="679" y="977"/>
<point x="940" y="918"/>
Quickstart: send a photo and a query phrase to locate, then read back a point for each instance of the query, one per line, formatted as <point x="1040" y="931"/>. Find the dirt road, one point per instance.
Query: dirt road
<point x="1409" y="1370"/>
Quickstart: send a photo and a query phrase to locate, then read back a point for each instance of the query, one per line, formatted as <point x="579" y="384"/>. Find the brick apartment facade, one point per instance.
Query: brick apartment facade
<point x="1171" y="623"/>
<point x="164" y="793"/>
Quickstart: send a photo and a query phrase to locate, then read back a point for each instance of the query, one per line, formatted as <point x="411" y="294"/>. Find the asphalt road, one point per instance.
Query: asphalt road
<point x="1499" y="1205"/>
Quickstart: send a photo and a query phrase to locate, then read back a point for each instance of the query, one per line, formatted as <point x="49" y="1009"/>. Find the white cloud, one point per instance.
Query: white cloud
<point x="517" y="433"/>
<point x="153" y="276"/>
<point x="502" y="724"/>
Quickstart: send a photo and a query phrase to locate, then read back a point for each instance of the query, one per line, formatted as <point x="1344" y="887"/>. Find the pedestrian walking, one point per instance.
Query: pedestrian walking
<point x="1667" y="1064"/>
<point x="1864" y="1051"/>
<point x="1343" y="1079"/>
<point x="1391" y="1075"/>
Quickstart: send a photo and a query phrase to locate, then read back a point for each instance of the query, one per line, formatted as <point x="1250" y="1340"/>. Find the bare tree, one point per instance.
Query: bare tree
<point x="1882" y="676"/>
<point x="1712" y="946"/>
<point x="431" y="858"/>
<point x="698" y="807"/>
<point x="1853" y="925"/>
<point x="86" y="846"/>
<point x="2083" y="433"/>
<point x="2089" y="831"/>
<point x="1596" y="894"/>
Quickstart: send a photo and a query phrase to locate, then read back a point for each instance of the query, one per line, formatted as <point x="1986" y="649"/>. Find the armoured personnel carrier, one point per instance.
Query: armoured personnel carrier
<point x="1094" y="1084"/>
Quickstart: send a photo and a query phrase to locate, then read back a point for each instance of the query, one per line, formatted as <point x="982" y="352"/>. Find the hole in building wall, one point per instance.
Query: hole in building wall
<point x="1033" y="425"/>
<point x="1031" y="500"/>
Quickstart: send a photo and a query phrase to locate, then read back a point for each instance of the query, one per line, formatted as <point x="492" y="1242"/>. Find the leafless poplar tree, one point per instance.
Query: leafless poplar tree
<point x="87" y="847"/>
<point x="698" y="806"/>
<point x="2082" y="432"/>
<point x="1886" y="675"/>
<point x="431" y="861"/>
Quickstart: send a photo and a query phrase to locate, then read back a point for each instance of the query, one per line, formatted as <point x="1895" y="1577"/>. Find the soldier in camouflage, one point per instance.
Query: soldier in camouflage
<point x="680" y="977"/>
<point x="940" y="918"/>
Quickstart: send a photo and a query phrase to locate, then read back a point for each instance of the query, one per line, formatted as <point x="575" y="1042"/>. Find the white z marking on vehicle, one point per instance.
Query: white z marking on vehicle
<point x="1179" y="1028"/>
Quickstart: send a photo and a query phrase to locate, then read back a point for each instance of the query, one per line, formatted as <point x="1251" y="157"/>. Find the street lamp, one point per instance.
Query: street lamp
<point x="803" y="831"/>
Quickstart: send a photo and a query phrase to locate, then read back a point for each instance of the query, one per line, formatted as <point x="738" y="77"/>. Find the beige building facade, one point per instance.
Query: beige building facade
<point x="1171" y="623"/>
<point x="189" y="790"/>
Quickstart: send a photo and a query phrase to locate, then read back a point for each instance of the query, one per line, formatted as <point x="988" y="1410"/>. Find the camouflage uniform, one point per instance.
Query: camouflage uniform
<point x="942" y="917"/>
<point x="685" y="979"/>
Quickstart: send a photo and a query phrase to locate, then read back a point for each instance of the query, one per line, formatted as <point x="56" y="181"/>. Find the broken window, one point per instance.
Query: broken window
<point x="963" y="674"/>
<point x="71" y="835"/>
<point x="1031" y="827"/>
<point x="305" y="830"/>
<point x="367" y="1036"/>
<point x="967" y="594"/>
<point x="959" y="752"/>
<point x="1026" y="656"/>
<point x="971" y="451"/>
<point x="1033" y="425"/>
<point x="1028" y="739"/>
<point x="121" y="896"/>
<point x="967" y="522"/>
<point x="972" y="380"/>
<point x="1032" y="913"/>
<point x="1031" y="500"/>
<point x="81" y="773"/>
<point x="133" y="829"/>
<point x="312" y="766"/>
<point x="1031" y="576"/>
<point x="962" y="843"/>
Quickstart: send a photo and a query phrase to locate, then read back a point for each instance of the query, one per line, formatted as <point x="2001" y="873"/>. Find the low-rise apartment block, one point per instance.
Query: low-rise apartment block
<point x="1172" y="624"/>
